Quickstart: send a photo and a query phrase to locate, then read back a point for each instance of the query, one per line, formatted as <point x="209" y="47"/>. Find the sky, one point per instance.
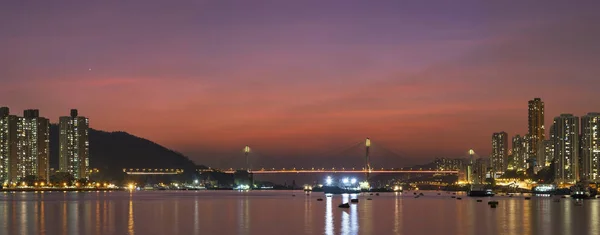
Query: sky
<point x="297" y="80"/>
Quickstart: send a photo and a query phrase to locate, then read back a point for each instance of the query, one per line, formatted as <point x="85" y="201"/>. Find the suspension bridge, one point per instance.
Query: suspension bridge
<point x="367" y="169"/>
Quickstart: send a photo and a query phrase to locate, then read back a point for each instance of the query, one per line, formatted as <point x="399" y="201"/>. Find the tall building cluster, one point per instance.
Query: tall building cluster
<point x="573" y="146"/>
<point x="25" y="146"/>
<point x="576" y="147"/>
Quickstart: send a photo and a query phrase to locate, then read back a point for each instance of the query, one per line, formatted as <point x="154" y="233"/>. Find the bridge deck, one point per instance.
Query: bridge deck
<point x="346" y="171"/>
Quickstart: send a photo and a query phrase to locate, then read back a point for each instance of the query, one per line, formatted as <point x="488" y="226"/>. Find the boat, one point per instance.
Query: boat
<point x="479" y="190"/>
<point x="544" y="189"/>
<point x="582" y="190"/>
<point x="344" y="205"/>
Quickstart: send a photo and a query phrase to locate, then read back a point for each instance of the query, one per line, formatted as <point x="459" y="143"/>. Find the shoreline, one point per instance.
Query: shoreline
<point x="58" y="189"/>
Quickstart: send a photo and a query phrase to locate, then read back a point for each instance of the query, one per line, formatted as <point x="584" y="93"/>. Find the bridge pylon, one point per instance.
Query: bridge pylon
<point x="367" y="160"/>
<point x="246" y="152"/>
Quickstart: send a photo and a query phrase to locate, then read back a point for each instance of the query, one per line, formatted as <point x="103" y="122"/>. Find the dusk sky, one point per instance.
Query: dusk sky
<point x="295" y="79"/>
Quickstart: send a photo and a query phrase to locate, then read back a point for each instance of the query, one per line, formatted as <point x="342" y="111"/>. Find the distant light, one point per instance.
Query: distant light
<point x="328" y="181"/>
<point x="353" y="181"/>
<point x="196" y="181"/>
<point x="345" y="180"/>
<point x="368" y="142"/>
<point x="471" y="152"/>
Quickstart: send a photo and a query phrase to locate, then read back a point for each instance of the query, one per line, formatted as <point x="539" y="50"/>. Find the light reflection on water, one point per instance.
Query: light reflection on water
<point x="264" y="212"/>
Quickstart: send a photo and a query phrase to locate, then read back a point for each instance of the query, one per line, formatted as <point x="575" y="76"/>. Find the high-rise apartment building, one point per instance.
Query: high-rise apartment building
<point x="74" y="145"/>
<point x="448" y="164"/>
<point x="519" y="153"/>
<point x="590" y="146"/>
<point x="35" y="145"/>
<point x="536" y="125"/>
<point x="566" y="148"/>
<point x="5" y="149"/>
<point x="499" y="158"/>
<point x="24" y="146"/>
<point x="545" y="153"/>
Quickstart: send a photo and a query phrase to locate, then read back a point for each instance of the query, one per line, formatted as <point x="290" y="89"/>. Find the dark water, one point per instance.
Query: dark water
<point x="264" y="212"/>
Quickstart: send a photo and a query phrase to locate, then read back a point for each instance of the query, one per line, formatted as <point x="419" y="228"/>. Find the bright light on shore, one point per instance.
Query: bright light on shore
<point x="328" y="181"/>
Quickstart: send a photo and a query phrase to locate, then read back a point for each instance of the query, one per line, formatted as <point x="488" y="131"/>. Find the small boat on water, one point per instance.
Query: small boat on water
<point x="355" y="200"/>
<point x="344" y="205"/>
<point x="582" y="190"/>
<point x="479" y="190"/>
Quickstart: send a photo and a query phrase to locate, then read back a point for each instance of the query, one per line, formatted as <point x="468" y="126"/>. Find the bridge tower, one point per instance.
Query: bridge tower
<point x="246" y="152"/>
<point x="367" y="162"/>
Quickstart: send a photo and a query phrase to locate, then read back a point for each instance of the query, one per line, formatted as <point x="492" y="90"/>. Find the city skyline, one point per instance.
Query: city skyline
<point x="221" y="76"/>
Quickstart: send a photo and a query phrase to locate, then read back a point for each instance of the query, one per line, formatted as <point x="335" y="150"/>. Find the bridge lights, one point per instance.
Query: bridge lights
<point x="345" y="180"/>
<point x="353" y="181"/>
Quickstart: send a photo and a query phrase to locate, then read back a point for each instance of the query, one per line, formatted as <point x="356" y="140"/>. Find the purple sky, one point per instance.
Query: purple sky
<point x="297" y="78"/>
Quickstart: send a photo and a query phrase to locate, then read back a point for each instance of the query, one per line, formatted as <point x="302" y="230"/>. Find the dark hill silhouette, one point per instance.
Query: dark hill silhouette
<point x="110" y="152"/>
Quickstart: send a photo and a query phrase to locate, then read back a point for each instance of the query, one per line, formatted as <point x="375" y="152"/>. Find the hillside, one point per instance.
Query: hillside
<point x="110" y="152"/>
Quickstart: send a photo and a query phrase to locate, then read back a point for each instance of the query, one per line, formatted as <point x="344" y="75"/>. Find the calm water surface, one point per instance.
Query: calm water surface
<point x="264" y="212"/>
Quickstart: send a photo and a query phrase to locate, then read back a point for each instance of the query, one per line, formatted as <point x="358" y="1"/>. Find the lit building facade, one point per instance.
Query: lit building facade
<point x="566" y="148"/>
<point x="499" y="158"/>
<point x="5" y="147"/>
<point x="35" y="145"/>
<point x="518" y="153"/>
<point x="590" y="146"/>
<point x="24" y="146"/>
<point x="448" y="164"/>
<point x="481" y="170"/>
<point x="536" y="128"/>
<point x="74" y="145"/>
<point x="545" y="153"/>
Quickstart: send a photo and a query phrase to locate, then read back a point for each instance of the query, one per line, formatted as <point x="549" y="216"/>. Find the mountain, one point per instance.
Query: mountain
<point x="110" y="152"/>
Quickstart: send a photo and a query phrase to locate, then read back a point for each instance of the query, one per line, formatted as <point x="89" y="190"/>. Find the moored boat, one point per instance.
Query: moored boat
<point x="479" y="190"/>
<point x="582" y="190"/>
<point x="544" y="189"/>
